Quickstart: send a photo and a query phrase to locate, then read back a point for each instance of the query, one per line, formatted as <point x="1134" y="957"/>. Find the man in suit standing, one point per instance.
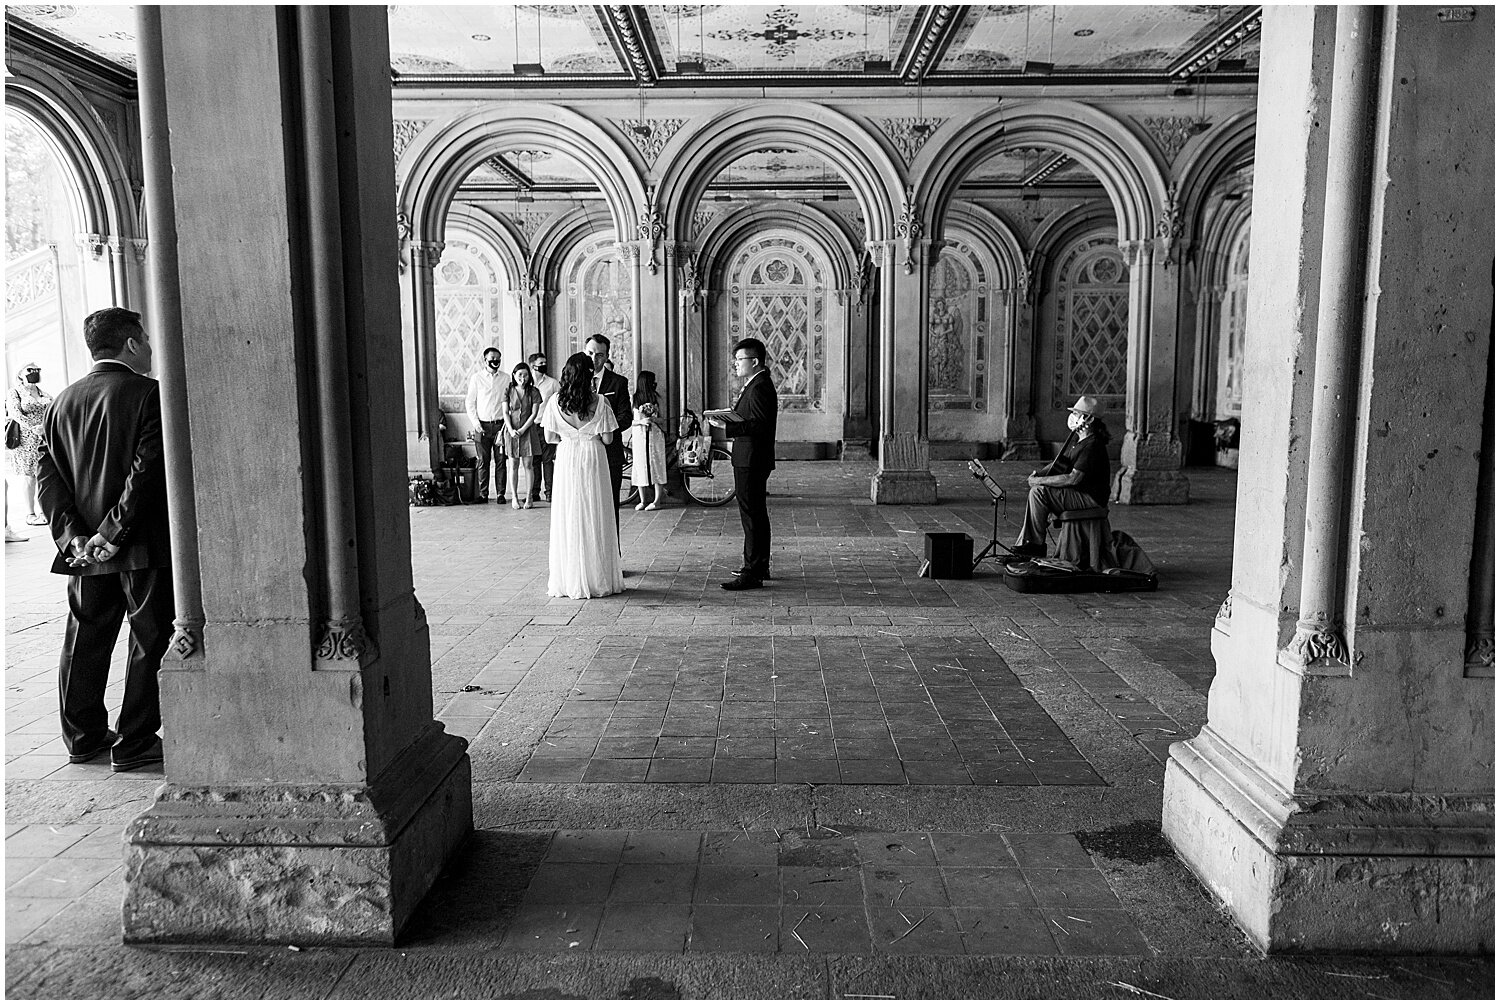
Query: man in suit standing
<point x="753" y="458"/>
<point x="102" y="481"/>
<point x="616" y="391"/>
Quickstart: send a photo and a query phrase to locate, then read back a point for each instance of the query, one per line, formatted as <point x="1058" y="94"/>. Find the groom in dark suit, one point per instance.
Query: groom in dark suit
<point x="102" y="482"/>
<point x="616" y="391"/>
<point x="753" y="458"/>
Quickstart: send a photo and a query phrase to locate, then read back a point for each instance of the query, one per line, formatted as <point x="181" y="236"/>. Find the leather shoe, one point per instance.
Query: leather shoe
<point x="743" y="583"/>
<point x="1030" y="550"/>
<point x="747" y="571"/>
<point x="151" y="755"/>
<point x="85" y="755"/>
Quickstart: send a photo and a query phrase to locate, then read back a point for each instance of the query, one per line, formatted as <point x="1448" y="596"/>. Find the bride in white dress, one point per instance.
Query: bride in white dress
<point x="584" y="557"/>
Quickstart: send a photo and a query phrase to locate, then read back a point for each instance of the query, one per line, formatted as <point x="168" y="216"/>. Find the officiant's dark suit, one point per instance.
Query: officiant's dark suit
<point x="616" y="391"/>
<point x="102" y="482"/>
<point x="754" y="458"/>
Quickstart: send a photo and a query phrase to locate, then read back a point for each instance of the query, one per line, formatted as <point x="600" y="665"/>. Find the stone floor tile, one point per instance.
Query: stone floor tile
<point x="64" y="877"/>
<point x="817" y="771"/>
<point x="601" y="847"/>
<point x="734" y="929"/>
<point x="911" y="887"/>
<point x="661" y="847"/>
<point x="977" y="886"/>
<point x="680" y="769"/>
<point x="45" y="840"/>
<point x="565" y="747"/>
<point x="618" y="769"/>
<point x="825" y="929"/>
<point x="743" y="770"/>
<point x="552" y="928"/>
<point x="936" y="773"/>
<point x="737" y="884"/>
<point x="991" y="773"/>
<point x="625" y="746"/>
<point x="570" y="883"/>
<point x="741" y="847"/>
<point x="819" y="885"/>
<point x="901" y="851"/>
<point x="1006" y="931"/>
<point x="23" y="915"/>
<point x="569" y="769"/>
<point x="1070" y="888"/>
<point x="1092" y="932"/>
<point x="986" y="850"/>
<point x="909" y="931"/>
<point x="642" y="883"/>
<point x="644" y="928"/>
<point x="1060" y="851"/>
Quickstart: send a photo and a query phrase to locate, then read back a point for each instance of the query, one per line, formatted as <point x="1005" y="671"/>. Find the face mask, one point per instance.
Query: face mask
<point x="34" y="378"/>
<point x="494" y="364"/>
<point x="540" y="367"/>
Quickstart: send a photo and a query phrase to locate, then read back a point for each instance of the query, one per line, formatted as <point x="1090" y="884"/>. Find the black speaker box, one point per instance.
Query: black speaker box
<point x="949" y="556"/>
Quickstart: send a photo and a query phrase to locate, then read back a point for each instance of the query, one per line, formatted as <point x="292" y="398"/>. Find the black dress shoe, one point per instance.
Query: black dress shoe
<point x="1030" y="550"/>
<point x="762" y="575"/>
<point x="743" y="583"/>
<point x="151" y="755"/>
<point x="87" y="754"/>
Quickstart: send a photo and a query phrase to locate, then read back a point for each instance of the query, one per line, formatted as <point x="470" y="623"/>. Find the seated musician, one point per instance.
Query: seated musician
<point x="1078" y="478"/>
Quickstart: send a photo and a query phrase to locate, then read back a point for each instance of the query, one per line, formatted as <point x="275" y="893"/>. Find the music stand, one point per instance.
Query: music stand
<point x="997" y="499"/>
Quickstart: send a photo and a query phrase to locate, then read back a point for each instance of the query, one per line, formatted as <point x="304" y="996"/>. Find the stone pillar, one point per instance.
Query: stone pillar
<point x="1479" y="644"/>
<point x="857" y="335"/>
<point x="1020" y="442"/>
<point x="531" y="299"/>
<point x="424" y="440"/>
<point x="903" y="474"/>
<point x="1150" y="452"/>
<point x="1340" y="798"/>
<point x="310" y="797"/>
<point x="693" y="299"/>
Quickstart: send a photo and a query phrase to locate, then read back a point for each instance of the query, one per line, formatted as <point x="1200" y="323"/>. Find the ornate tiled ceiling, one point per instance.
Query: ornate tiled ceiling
<point x="661" y="44"/>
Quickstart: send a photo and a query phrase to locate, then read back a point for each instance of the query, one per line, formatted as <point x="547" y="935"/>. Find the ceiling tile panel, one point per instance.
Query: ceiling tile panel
<point x="760" y="37"/>
<point x="489" y="38"/>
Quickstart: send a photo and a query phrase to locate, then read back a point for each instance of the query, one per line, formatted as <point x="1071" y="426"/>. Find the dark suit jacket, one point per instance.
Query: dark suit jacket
<point x="101" y="469"/>
<point x="755" y="437"/>
<point x="616" y="391"/>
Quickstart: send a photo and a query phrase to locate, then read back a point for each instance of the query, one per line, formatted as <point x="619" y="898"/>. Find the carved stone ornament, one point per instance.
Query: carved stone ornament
<point x="1171" y="133"/>
<point x="185" y="643"/>
<point x="344" y="641"/>
<point x="1479" y="650"/>
<point x="909" y="230"/>
<point x="427" y="254"/>
<point x="909" y="133"/>
<point x="1226" y="607"/>
<point x="649" y="135"/>
<point x="403" y="131"/>
<point x="1317" y="643"/>
<point x="692" y="280"/>
<point x="1169" y="227"/>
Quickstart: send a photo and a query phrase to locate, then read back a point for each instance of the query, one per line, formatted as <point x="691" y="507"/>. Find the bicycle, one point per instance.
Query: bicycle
<point x="707" y="479"/>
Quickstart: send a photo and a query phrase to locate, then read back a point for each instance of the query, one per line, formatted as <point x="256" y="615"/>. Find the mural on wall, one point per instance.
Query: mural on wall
<point x="467" y="290"/>
<point x="958" y="326"/>
<point x="778" y="290"/>
<point x="600" y="301"/>
<point x="1232" y="327"/>
<point x="1093" y="310"/>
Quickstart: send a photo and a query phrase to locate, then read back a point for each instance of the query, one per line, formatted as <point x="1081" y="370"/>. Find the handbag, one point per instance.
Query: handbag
<point x="12" y="434"/>
<point x="692" y="451"/>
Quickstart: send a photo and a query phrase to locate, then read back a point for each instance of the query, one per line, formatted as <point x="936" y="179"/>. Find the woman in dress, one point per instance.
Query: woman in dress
<point x="523" y="440"/>
<point x="584" y="557"/>
<point x="648" y="449"/>
<point x="25" y="404"/>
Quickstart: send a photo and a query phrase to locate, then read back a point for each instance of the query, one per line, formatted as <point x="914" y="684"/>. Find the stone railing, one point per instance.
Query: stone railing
<point x="31" y="279"/>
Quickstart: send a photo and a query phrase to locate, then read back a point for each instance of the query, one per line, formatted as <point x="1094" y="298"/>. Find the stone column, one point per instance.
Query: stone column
<point x="1150" y="452"/>
<point x="857" y="334"/>
<point x="1479" y="645"/>
<point x="310" y="797"/>
<point x="1021" y="443"/>
<point x="424" y="440"/>
<point x="903" y="474"/>
<point x="530" y="299"/>
<point x="1340" y="798"/>
<point x="687" y="389"/>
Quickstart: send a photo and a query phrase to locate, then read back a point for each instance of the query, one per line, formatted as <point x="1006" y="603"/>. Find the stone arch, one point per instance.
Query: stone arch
<point x="584" y="306"/>
<point x="701" y="149"/>
<point x="1091" y="136"/>
<point x="558" y="237"/>
<point x="1222" y="150"/>
<point x="493" y="230"/>
<point x="726" y="232"/>
<point x="433" y="166"/>
<point x="107" y="206"/>
<point x="1219" y="306"/>
<point x="1052" y="235"/>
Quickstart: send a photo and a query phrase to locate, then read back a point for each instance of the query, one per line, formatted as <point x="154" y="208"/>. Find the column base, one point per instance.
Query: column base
<point x="303" y="865"/>
<point x="1352" y="873"/>
<point x="903" y="488"/>
<point x="1151" y="487"/>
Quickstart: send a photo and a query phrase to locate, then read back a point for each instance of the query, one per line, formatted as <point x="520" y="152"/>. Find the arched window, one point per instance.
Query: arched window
<point x="1093" y="311"/>
<point x="600" y="300"/>
<point x="778" y="290"/>
<point x="1232" y="326"/>
<point x="467" y="291"/>
<point x="958" y="325"/>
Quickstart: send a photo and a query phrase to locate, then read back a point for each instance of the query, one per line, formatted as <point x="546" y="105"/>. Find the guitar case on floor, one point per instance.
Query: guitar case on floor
<point x="1134" y="573"/>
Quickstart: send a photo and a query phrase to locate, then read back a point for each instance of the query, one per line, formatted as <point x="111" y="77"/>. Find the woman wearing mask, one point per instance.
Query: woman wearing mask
<point x="584" y="556"/>
<point x="648" y="448"/>
<point x="25" y="404"/>
<point x="523" y="439"/>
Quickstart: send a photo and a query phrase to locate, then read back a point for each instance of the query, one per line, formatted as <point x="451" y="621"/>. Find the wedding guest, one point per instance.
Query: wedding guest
<point x="523" y="407"/>
<point x="485" y="404"/>
<point x="542" y="463"/>
<point x="25" y="403"/>
<point x="753" y="459"/>
<point x="648" y="446"/>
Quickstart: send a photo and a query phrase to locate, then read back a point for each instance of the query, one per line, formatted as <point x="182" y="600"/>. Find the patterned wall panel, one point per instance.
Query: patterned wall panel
<point x="778" y="288"/>
<point x="599" y="300"/>
<point x="467" y="290"/>
<point x="960" y="320"/>
<point x="1093" y="309"/>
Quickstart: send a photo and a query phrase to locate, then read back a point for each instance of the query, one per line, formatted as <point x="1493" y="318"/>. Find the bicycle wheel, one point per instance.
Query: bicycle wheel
<point x="715" y="488"/>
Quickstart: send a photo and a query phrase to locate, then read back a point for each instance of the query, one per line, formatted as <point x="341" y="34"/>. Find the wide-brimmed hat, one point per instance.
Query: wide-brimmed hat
<point x="1086" y="405"/>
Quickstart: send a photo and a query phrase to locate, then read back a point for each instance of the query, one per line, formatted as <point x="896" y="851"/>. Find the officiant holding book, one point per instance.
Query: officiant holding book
<point x="752" y="426"/>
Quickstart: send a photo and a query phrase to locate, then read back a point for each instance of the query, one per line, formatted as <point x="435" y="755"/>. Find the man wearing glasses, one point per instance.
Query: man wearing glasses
<point x="616" y="391"/>
<point x="753" y="458"/>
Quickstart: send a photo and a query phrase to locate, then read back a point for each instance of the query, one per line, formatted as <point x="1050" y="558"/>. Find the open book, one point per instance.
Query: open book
<point x="721" y="415"/>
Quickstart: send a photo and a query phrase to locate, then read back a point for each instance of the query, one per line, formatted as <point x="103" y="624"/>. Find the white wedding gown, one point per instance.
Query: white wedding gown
<point x="584" y="557"/>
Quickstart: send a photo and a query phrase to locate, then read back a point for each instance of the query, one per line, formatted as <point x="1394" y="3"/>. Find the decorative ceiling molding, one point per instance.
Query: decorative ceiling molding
<point x="649" y="135"/>
<point x="1171" y="132"/>
<point x="505" y="169"/>
<point x="629" y="32"/>
<point x="1240" y="28"/>
<point x="909" y="133"/>
<point x="928" y="43"/>
<point x="1047" y="170"/>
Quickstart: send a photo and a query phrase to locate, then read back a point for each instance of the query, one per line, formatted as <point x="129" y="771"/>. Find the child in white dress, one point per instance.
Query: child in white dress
<point x="648" y="447"/>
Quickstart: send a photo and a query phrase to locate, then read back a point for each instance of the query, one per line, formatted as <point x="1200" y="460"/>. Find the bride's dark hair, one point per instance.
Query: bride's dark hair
<point x="576" y="396"/>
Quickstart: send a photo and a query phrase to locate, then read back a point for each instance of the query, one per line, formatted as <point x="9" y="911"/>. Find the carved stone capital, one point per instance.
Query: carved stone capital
<point x="881" y="252"/>
<point x="426" y="254"/>
<point x="1226" y="607"/>
<point x="1479" y="650"/>
<point x="343" y="642"/>
<point x="909" y="230"/>
<point x="139" y="247"/>
<point x="1318" y="644"/>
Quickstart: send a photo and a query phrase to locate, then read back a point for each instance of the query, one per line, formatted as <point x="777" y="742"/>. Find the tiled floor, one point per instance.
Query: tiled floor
<point x="855" y="760"/>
